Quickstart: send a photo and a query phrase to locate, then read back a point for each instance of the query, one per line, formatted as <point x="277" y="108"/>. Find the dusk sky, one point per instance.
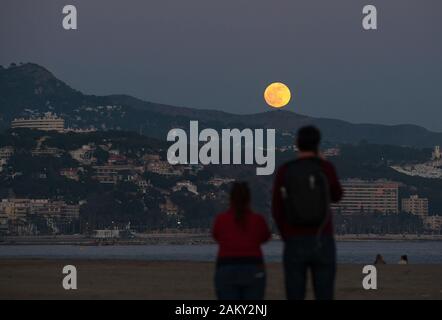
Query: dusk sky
<point x="222" y="54"/>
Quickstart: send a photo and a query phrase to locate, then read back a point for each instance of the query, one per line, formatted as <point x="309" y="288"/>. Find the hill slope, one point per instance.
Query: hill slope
<point x="31" y="88"/>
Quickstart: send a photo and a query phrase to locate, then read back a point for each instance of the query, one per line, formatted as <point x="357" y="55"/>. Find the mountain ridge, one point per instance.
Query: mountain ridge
<point x="31" y="86"/>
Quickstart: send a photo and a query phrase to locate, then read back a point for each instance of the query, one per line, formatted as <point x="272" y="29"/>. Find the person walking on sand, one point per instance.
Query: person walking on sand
<point x="239" y="232"/>
<point x="302" y="192"/>
<point x="403" y="260"/>
<point x="379" y="259"/>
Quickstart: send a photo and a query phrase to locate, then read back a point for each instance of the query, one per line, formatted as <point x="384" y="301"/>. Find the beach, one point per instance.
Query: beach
<point x="133" y="279"/>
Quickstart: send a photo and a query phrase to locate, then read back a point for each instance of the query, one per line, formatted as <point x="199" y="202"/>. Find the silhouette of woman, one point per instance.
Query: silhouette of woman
<point x="240" y="272"/>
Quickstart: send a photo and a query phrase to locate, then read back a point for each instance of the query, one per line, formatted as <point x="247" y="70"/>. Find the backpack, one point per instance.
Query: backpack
<point x="305" y="193"/>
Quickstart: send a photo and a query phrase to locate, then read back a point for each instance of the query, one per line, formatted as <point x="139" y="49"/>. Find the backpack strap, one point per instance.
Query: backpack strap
<point x="328" y="213"/>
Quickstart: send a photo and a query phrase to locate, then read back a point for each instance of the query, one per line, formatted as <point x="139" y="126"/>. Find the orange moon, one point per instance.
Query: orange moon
<point x="277" y="95"/>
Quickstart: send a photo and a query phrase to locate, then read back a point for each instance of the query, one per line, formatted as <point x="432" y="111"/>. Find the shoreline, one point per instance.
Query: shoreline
<point x="351" y="252"/>
<point x="182" y="239"/>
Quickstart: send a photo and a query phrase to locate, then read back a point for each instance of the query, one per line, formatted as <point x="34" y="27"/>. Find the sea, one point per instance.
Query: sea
<point x="352" y="252"/>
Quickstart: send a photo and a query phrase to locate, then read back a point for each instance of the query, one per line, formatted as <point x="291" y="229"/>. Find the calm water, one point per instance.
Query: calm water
<point x="348" y="252"/>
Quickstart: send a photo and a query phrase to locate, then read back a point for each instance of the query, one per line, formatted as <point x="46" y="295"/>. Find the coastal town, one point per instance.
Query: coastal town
<point x="145" y="191"/>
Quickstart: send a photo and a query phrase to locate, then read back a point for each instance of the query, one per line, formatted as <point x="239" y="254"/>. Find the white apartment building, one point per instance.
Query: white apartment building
<point x="19" y="209"/>
<point x="106" y="234"/>
<point x="362" y="196"/>
<point x="415" y="205"/>
<point x="15" y="209"/>
<point x="49" y="122"/>
<point x="436" y="154"/>
<point x="433" y="223"/>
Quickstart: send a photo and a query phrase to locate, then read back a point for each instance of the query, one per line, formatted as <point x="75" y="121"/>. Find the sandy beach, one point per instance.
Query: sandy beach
<point x="108" y="279"/>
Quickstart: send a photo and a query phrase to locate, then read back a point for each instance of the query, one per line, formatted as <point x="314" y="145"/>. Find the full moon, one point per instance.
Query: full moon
<point x="277" y="95"/>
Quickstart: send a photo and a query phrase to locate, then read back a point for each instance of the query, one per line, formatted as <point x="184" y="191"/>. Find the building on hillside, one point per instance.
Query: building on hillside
<point x="71" y="173"/>
<point x="70" y="211"/>
<point x="3" y="162"/>
<point x="6" y="152"/>
<point x="106" y="174"/>
<point x="362" y="196"/>
<point x="80" y="130"/>
<point x="142" y="184"/>
<point x="331" y="152"/>
<point x="49" y="122"/>
<point x="169" y="208"/>
<point x="163" y="168"/>
<point x="286" y="148"/>
<point x="218" y="181"/>
<point x="4" y="225"/>
<point x="433" y="223"/>
<point x="114" y="233"/>
<point x="84" y="155"/>
<point x="189" y="186"/>
<point x="436" y="155"/>
<point x="415" y="205"/>
<point x="117" y="159"/>
<point x="46" y="151"/>
<point x="115" y="173"/>
<point x="15" y="209"/>
<point x="20" y="209"/>
<point x="106" y="234"/>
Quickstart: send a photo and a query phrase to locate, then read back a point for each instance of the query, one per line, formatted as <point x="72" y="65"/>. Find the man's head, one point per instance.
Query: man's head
<point x="308" y="139"/>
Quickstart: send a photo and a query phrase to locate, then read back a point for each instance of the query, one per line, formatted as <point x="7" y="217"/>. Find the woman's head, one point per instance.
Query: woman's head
<point x="240" y="199"/>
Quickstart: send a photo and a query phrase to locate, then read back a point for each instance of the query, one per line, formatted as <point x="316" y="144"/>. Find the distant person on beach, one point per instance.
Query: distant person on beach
<point x="379" y="259"/>
<point x="302" y="192"/>
<point x="240" y="272"/>
<point x="403" y="260"/>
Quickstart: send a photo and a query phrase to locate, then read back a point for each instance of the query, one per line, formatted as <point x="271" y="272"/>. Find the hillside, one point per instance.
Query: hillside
<point x="29" y="88"/>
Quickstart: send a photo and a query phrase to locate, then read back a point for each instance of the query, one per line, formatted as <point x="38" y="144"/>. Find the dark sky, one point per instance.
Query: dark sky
<point x="220" y="54"/>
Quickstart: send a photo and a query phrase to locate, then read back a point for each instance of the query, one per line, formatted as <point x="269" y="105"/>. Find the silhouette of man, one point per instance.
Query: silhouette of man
<point x="307" y="247"/>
